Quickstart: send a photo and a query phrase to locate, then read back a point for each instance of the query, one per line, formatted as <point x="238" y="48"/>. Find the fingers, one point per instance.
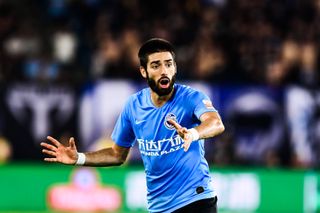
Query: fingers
<point x="54" y="141"/>
<point x="186" y="145"/>
<point x="51" y="159"/>
<point x="48" y="146"/>
<point x="48" y="152"/>
<point x="187" y="141"/>
<point x="184" y="130"/>
<point x="175" y="124"/>
<point x="181" y="130"/>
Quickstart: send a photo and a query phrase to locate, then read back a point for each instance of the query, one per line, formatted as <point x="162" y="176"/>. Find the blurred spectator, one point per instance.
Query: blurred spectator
<point x="223" y="41"/>
<point x="106" y="60"/>
<point x="64" y="44"/>
<point x="300" y="109"/>
<point x="116" y="57"/>
<point x="7" y="25"/>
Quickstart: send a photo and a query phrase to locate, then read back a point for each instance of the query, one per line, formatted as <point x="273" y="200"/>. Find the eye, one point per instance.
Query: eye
<point x="169" y="64"/>
<point x="154" y="66"/>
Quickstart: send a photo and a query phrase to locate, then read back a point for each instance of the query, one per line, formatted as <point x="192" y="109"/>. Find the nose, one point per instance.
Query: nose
<point x="164" y="70"/>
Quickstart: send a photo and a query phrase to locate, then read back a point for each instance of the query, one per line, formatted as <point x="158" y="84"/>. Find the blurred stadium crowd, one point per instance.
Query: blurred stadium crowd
<point x="54" y="50"/>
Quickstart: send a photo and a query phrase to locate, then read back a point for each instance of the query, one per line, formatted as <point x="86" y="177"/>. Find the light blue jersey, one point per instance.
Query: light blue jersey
<point x="173" y="175"/>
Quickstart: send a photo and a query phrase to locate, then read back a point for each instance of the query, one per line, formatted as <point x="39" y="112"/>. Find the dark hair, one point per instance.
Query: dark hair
<point x="152" y="46"/>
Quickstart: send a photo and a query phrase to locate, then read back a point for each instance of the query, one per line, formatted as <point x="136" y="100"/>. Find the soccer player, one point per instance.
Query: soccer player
<point x="169" y="123"/>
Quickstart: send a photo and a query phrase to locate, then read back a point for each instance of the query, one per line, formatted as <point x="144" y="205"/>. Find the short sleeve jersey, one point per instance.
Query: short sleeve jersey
<point x="172" y="175"/>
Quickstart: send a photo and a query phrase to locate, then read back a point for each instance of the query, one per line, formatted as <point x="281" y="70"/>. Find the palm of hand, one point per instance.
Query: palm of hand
<point x="60" y="153"/>
<point x="66" y="155"/>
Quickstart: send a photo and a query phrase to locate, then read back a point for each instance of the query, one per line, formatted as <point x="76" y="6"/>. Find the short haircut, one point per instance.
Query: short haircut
<point x="154" y="45"/>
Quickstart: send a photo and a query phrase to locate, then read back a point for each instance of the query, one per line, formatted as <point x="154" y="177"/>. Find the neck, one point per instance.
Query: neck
<point x="159" y="101"/>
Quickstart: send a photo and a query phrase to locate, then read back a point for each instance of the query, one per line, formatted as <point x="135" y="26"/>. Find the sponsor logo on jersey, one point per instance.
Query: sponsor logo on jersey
<point x="172" y="117"/>
<point x="160" y="147"/>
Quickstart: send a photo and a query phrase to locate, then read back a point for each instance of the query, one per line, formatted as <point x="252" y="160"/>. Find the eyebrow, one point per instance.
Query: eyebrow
<point x="158" y="61"/>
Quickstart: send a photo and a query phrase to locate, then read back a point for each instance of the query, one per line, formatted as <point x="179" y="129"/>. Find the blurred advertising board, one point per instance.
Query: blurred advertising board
<point x="41" y="187"/>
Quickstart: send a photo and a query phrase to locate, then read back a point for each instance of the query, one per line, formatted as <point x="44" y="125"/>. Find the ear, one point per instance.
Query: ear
<point x="143" y="72"/>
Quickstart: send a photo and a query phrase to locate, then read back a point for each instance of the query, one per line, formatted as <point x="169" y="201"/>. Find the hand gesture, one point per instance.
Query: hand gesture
<point x="184" y="133"/>
<point x="59" y="152"/>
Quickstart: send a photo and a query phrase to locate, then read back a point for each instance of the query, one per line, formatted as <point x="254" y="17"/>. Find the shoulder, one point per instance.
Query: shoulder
<point x="193" y="97"/>
<point x="188" y="91"/>
<point x="138" y="97"/>
<point x="139" y="94"/>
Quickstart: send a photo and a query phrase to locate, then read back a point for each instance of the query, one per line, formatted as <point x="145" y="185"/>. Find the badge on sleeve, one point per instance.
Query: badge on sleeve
<point x="208" y="104"/>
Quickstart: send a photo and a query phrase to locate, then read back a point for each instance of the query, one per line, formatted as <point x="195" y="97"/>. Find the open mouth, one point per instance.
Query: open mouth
<point x="164" y="82"/>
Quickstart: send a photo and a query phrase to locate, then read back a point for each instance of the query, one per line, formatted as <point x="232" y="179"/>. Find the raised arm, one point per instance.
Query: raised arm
<point x="113" y="156"/>
<point x="211" y="125"/>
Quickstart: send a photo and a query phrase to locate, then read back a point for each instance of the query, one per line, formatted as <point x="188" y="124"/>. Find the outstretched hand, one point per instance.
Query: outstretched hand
<point x="59" y="152"/>
<point x="184" y="133"/>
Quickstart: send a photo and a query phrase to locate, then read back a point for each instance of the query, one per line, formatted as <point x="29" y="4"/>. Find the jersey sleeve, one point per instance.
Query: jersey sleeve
<point x="202" y="104"/>
<point x="123" y="134"/>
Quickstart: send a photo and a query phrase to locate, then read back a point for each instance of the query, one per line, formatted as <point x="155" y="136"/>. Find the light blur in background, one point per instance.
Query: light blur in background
<point x="68" y="66"/>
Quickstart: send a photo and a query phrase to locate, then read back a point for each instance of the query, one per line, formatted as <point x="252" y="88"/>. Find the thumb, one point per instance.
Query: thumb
<point x="184" y="130"/>
<point x="72" y="144"/>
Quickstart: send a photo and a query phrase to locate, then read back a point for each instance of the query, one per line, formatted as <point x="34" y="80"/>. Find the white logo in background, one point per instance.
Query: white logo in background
<point x="172" y="117"/>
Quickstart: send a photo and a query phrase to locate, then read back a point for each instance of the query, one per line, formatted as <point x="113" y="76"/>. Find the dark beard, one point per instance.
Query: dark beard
<point x="161" y="91"/>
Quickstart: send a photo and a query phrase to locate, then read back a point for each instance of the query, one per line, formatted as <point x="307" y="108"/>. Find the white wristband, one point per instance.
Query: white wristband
<point x="194" y="133"/>
<point x="81" y="159"/>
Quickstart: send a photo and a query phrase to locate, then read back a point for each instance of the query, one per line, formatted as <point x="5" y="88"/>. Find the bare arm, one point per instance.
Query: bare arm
<point x="211" y="125"/>
<point x="60" y="153"/>
<point x="114" y="156"/>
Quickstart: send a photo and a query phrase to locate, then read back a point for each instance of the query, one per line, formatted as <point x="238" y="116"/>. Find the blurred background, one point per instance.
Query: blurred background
<point x="68" y="66"/>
